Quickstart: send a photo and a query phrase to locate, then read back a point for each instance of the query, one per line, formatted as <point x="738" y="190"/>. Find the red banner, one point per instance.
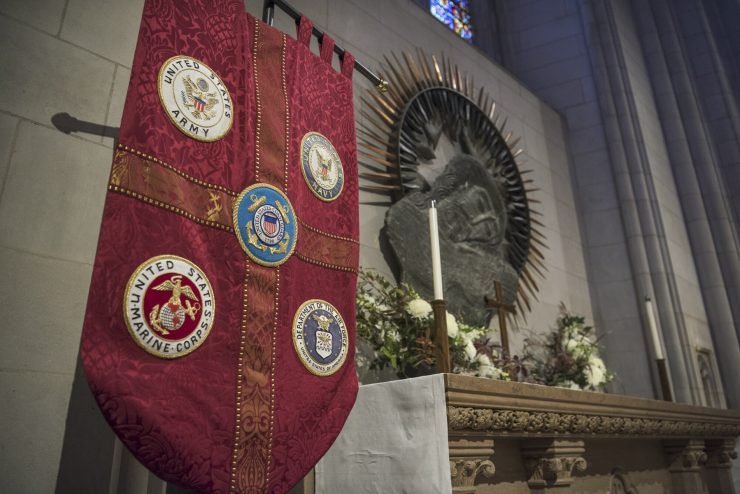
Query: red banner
<point x="219" y="333"/>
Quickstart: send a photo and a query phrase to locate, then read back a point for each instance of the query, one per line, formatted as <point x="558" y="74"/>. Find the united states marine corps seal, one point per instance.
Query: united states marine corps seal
<point x="195" y="98"/>
<point x="321" y="166"/>
<point x="320" y="337"/>
<point x="265" y="224"/>
<point x="168" y="306"/>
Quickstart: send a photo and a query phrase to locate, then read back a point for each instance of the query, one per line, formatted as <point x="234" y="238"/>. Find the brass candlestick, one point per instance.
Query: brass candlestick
<point x="665" y="384"/>
<point x="441" y="345"/>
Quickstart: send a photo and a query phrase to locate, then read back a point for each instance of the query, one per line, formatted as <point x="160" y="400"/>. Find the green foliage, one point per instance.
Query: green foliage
<point x="397" y="324"/>
<point x="569" y="356"/>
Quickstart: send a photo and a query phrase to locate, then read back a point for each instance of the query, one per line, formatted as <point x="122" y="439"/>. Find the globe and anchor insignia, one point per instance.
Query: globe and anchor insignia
<point x="265" y="224"/>
<point x="169" y="306"/>
<point x="320" y="337"/>
<point x="172" y="314"/>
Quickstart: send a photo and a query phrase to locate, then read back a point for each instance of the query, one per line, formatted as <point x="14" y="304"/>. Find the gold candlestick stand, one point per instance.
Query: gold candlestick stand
<point x="665" y="384"/>
<point x="441" y="345"/>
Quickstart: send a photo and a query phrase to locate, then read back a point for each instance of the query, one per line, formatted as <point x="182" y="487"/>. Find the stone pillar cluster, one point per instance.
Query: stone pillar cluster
<point x="650" y="93"/>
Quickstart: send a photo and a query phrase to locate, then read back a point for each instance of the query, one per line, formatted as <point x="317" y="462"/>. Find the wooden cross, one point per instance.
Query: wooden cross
<point x="501" y="308"/>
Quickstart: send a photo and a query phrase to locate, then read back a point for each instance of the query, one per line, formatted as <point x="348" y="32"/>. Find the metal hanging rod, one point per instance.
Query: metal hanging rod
<point x="268" y="14"/>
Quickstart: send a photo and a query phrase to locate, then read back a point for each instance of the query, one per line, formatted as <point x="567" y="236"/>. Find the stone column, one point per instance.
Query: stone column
<point x="720" y="453"/>
<point x="722" y="123"/>
<point x="686" y="458"/>
<point x="721" y="102"/>
<point x="647" y="246"/>
<point x="551" y="463"/>
<point x="700" y="192"/>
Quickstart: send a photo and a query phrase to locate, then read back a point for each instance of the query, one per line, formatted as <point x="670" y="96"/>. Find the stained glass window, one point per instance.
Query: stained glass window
<point x="454" y="14"/>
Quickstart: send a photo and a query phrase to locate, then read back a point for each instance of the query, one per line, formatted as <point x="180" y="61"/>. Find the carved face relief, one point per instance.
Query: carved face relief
<point x="472" y="236"/>
<point x="444" y="142"/>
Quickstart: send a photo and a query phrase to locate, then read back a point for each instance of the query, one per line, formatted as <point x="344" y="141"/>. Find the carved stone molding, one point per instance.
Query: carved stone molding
<point x="620" y="483"/>
<point x="720" y="453"/>
<point x="465" y="471"/>
<point x="519" y="421"/>
<point x="554" y="472"/>
<point x="685" y="455"/>
<point x="552" y="463"/>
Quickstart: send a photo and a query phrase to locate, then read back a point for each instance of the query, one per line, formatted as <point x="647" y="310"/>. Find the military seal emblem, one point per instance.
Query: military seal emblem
<point x="195" y="98"/>
<point x="265" y="224"/>
<point x="321" y="166"/>
<point x="168" y="306"/>
<point x="320" y="337"/>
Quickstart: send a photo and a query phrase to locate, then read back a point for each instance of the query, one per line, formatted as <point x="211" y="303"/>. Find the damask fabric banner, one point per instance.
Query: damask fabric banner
<point x="219" y="333"/>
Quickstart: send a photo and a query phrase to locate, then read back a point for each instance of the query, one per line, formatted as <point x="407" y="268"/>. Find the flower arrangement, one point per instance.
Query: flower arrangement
<point x="397" y="323"/>
<point x="569" y="356"/>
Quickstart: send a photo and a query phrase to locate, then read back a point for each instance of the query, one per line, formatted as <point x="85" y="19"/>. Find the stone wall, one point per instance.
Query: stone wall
<point x="74" y="57"/>
<point x="59" y="56"/>
<point x="647" y="92"/>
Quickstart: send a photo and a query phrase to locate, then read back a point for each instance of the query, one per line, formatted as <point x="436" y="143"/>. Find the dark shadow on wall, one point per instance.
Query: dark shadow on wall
<point x="66" y="123"/>
<point x="87" y="451"/>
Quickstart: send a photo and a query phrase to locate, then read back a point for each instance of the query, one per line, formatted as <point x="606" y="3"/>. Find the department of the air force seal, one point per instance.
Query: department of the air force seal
<point x="195" y="98"/>
<point x="321" y="166"/>
<point x="168" y="306"/>
<point x="265" y="224"/>
<point x="320" y="337"/>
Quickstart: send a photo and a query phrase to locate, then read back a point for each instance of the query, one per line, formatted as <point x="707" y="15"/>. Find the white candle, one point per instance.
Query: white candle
<point x="654" y="329"/>
<point x="436" y="261"/>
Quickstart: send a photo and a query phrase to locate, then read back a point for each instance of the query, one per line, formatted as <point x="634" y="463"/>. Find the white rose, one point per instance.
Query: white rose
<point x="595" y="375"/>
<point x="486" y="368"/>
<point x="486" y="371"/>
<point x="452" y="328"/>
<point x="469" y="334"/>
<point x="595" y="361"/>
<point x="571" y="346"/>
<point x="470" y="350"/>
<point x="419" y="308"/>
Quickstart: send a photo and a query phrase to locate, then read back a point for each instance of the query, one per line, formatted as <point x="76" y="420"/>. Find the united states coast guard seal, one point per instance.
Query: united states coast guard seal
<point x="265" y="224"/>
<point x="320" y="337"/>
<point x="168" y="306"/>
<point x="321" y="166"/>
<point x="195" y="98"/>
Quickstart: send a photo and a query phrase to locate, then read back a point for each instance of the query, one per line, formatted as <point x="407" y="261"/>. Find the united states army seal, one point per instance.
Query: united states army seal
<point x="195" y="98"/>
<point x="265" y="224"/>
<point x="320" y="337"/>
<point x="168" y="306"/>
<point x="321" y="166"/>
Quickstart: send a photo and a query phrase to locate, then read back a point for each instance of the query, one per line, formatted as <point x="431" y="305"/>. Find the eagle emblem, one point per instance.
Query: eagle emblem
<point x="172" y="314"/>
<point x="197" y="97"/>
<point x="321" y="166"/>
<point x="264" y="223"/>
<point x="323" y="336"/>
<point x="320" y="337"/>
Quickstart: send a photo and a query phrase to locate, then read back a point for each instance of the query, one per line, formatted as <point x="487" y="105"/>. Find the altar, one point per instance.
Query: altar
<point x="449" y="433"/>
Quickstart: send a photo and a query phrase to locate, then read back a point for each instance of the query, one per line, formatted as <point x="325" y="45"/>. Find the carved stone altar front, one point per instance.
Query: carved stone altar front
<point x="577" y="441"/>
<point x="513" y="438"/>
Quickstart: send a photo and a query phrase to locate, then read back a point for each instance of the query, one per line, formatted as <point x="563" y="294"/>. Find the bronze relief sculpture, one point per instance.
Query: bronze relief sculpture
<point x="429" y="138"/>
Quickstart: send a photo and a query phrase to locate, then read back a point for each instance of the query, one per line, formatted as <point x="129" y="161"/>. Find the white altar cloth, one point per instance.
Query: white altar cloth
<point x="394" y="442"/>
